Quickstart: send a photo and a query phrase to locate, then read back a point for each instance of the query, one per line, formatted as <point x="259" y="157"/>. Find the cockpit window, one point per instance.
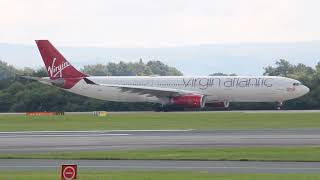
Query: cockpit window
<point x="296" y="84"/>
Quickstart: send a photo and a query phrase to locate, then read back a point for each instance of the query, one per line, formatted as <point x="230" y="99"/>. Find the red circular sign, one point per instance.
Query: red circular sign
<point x="69" y="172"/>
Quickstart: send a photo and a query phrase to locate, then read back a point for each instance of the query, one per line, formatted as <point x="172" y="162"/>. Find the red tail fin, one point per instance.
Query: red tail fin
<point x="57" y="66"/>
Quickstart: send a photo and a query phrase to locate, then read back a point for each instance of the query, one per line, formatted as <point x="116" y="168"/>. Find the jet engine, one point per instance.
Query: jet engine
<point x="189" y="101"/>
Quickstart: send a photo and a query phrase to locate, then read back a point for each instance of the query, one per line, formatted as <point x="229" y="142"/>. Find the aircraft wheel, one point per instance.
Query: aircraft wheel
<point x="279" y="105"/>
<point x="158" y="108"/>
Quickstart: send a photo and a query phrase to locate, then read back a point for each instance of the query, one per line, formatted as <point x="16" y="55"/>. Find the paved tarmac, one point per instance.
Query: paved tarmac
<point x="123" y="165"/>
<point x="48" y="141"/>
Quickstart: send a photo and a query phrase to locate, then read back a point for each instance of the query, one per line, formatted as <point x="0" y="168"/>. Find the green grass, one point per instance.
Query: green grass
<point x="139" y="175"/>
<point x="202" y="121"/>
<point x="237" y="154"/>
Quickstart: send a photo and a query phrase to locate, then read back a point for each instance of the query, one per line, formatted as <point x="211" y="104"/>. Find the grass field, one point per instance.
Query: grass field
<point x="137" y="175"/>
<point x="196" y="120"/>
<point x="239" y="154"/>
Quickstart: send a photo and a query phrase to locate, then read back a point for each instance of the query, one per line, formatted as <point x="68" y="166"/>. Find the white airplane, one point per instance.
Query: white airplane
<point x="182" y="91"/>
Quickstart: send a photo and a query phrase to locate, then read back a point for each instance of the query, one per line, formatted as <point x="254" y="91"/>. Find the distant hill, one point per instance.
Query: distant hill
<point x="242" y="59"/>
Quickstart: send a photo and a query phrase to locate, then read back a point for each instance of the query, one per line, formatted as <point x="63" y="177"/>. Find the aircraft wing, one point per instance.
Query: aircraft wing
<point x="145" y="90"/>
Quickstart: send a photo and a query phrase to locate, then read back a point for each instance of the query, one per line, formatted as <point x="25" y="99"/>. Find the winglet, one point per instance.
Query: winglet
<point x="89" y="81"/>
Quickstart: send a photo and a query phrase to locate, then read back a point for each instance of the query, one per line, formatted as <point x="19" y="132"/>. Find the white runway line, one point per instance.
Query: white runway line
<point x="61" y="135"/>
<point x="205" y="167"/>
<point x="101" y="131"/>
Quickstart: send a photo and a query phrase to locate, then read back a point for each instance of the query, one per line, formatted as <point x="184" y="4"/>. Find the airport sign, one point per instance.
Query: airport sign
<point x="68" y="172"/>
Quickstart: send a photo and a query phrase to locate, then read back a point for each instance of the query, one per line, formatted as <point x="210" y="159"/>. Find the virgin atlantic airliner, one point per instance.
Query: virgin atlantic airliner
<point x="182" y="91"/>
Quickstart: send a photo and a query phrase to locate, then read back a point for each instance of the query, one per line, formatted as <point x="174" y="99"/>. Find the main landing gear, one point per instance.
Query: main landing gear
<point x="166" y="108"/>
<point x="158" y="107"/>
<point x="279" y="105"/>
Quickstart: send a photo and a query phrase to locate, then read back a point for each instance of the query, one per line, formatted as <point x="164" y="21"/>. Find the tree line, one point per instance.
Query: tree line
<point x="22" y="95"/>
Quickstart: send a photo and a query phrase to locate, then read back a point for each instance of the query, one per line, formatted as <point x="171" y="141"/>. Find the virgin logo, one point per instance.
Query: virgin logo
<point x="54" y="70"/>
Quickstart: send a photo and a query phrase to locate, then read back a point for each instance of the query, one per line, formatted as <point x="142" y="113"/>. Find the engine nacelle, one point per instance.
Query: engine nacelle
<point x="224" y="104"/>
<point x="190" y="101"/>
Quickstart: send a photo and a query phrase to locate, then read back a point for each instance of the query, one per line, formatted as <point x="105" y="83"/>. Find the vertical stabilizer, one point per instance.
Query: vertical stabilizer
<point x="56" y="65"/>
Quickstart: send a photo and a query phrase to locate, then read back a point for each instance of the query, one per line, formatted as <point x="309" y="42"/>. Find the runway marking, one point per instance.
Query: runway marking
<point x="199" y="167"/>
<point x="62" y="135"/>
<point x="102" y="131"/>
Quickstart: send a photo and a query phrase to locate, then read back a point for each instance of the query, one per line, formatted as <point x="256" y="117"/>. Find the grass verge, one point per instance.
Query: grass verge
<point x="220" y="154"/>
<point x="138" y="175"/>
<point x="195" y="120"/>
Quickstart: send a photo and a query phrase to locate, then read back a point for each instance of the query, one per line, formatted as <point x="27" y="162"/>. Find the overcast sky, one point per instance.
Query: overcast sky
<point x="162" y="23"/>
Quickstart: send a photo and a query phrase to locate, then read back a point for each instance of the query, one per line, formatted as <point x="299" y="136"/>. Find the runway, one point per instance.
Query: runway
<point x="48" y="141"/>
<point x="125" y="165"/>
